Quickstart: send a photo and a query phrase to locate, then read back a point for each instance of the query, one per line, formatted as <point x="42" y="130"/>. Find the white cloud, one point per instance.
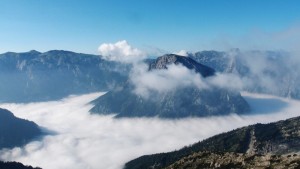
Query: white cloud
<point x="93" y="141"/>
<point x="120" y="51"/>
<point x="226" y="80"/>
<point x="178" y="77"/>
<point x="276" y="73"/>
<point x="165" y="80"/>
<point x="181" y="53"/>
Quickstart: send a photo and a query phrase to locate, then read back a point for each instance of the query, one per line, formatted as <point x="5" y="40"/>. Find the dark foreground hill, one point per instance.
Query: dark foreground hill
<point x="15" y="131"/>
<point x="15" y="165"/>
<point x="35" y="76"/>
<point x="278" y="138"/>
<point x="182" y="102"/>
<point x="230" y="160"/>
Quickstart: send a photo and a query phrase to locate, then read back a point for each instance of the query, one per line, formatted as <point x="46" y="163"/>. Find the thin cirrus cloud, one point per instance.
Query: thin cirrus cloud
<point x="82" y="140"/>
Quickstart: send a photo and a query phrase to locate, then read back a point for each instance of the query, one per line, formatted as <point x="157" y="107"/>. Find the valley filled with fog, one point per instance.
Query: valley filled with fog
<point x="124" y="85"/>
<point x="77" y="139"/>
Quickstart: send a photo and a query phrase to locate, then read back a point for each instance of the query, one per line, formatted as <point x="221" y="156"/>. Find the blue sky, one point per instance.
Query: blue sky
<point x="151" y="25"/>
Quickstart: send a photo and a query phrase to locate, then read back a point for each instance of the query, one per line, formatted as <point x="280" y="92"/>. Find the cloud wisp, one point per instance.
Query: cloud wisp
<point x="269" y="72"/>
<point x="82" y="140"/>
<point x="178" y="77"/>
<point x="181" y="53"/>
<point x="166" y="80"/>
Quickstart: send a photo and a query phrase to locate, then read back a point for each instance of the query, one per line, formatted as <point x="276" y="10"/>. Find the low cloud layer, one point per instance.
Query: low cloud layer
<point x="177" y="77"/>
<point x="269" y="72"/>
<point x="81" y="140"/>
<point x="166" y="80"/>
<point x="120" y="51"/>
<point x="227" y="81"/>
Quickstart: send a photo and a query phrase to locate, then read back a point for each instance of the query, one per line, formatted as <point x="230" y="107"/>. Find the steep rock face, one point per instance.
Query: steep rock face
<point x="35" y="76"/>
<point x="15" y="131"/>
<point x="186" y="102"/>
<point x="278" y="138"/>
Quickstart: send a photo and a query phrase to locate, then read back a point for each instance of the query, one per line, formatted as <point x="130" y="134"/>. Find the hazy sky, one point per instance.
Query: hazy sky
<point x="151" y="25"/>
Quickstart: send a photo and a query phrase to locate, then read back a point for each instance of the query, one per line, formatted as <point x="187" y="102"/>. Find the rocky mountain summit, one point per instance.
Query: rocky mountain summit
<point x="163" y="62"/>
<point x="185" y="102"/>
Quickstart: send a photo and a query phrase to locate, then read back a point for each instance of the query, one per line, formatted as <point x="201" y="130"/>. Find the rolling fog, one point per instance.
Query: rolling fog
<point x="79" y="140"/>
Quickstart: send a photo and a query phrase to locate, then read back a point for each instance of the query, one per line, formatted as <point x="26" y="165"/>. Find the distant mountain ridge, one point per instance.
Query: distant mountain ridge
<point x="36" y="76"/>
<point x="15" y="131"/>
<point x="260" y="69"/>
<point x="187" y="102"/>
<point x="215" y="59"/>
<point x="279" y="138"/>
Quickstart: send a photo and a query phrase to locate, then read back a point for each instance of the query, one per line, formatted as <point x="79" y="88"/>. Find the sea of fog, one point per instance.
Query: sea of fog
<point x="79" y="140"/>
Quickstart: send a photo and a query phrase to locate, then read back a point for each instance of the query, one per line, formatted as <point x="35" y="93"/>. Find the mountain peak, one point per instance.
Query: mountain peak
<point x="162" y="62"/>
<point x="6" y="114"/>
<point x="34" y="52"/>
<point x="64" y="52"/>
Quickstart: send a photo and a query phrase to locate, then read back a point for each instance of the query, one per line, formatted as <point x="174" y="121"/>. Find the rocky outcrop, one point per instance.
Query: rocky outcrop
<point x="163" y="62"/>
<point x="209" y="160"/>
